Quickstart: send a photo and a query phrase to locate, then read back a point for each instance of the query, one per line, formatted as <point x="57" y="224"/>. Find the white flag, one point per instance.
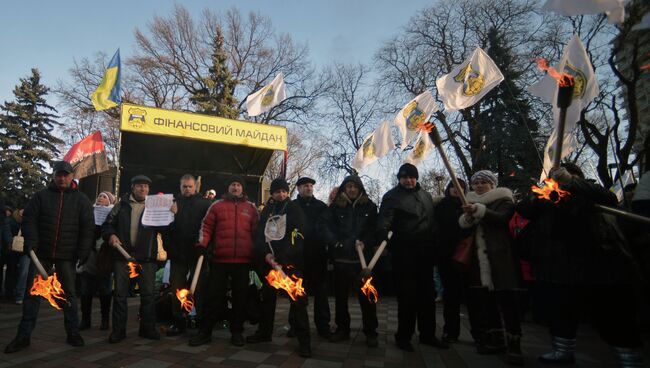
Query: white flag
<point x="469" y="82"/>
<point x="416" y="112"/>
<point x="421" y="149"/>
<point x="615" y="9"/>
<point x="617" y="188"/>
<point x="266" y="98"/>
<point x="568" y="145"/>
<point x="376" y="145"/>
<point x="575" y="62"/>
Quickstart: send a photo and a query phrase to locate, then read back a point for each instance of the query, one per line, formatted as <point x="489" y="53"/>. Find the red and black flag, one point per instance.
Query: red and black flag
<point x="88" y="156"/>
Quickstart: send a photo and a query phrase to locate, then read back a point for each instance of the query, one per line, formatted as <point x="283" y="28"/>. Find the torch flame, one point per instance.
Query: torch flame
<point x="49" y="289"/>
<point x="550" y="191"/>
<point x="425" y="127"/>
<point x="369" y="291"/>
<point x="133" y="270"/>
<point x="292" y="285"/>
<point x="185" y="298"/>
<point x="563" y="79"/>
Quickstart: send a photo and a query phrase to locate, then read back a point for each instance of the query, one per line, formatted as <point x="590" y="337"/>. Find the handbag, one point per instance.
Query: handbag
<point x="463" y="253"/>
<point x="18" y="243"/>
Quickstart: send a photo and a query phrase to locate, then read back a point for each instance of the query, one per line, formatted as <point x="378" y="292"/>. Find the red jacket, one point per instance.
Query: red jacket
<point x="230" y="223"/>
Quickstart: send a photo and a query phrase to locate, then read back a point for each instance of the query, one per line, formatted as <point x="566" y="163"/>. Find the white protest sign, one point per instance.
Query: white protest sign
<point x="101" y="212"/>
<point x="156" y="210"/>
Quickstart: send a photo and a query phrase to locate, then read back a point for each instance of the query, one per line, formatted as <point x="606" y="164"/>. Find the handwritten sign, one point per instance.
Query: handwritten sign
<point x="101" y="212"/>
<point x="156" y="210"/>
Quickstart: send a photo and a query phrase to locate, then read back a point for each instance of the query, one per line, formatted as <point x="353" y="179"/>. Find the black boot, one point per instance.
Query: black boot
<point x="513" y="352"/>
<point x="86" y="309"/>
<point x="491" y="342"/>
<point x="105" y="304"/>
<point x="17" y="344"/>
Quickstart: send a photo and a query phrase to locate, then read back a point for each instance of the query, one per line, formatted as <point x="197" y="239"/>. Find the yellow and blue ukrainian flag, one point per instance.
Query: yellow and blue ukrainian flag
<point x="107" y="95"/>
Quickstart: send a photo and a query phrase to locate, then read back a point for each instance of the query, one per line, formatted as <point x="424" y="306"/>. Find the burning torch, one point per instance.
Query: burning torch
<point x="131" y="263"/>
<point x="366" y="269"/>
<point x="186" y="297"/>
<point x="49" y="287"/>
<point x="279" y="280"/>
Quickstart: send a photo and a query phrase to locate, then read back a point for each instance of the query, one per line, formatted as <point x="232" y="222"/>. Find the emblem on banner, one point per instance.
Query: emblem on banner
<point x="471" y="79"/>
<point x="137" y="117"/>
<point x="418" y="150"/>
<point x="413" y="115"/>
<point x="369" y="147"/>
<point x="268" y="94"/>
<point x="579" y="80"/>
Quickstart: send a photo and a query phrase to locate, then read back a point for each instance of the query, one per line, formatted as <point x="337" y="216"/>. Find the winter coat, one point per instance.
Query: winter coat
<point x="349" y="221"/>
<point x="230" y="223"/>
<point x="288" y="251"/>
<point x="118" y="222"/>
<point x="59" y="224"/>
<point x="315" y="245"/>
<point x="447" y="211"/>
<point x="184" y="231"/>
<point x="409" y="213"/>
<point x="564" y="248"/>
<point x="494" y="263"/>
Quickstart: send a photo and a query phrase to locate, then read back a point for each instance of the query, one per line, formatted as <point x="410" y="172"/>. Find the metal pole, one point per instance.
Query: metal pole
<point x="437" y="141"/>
<point x="564" y="97"/>
<point x="624" y="214"/>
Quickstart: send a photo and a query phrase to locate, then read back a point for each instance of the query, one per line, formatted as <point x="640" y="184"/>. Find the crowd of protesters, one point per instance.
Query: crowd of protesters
<point x="486" y="246"/>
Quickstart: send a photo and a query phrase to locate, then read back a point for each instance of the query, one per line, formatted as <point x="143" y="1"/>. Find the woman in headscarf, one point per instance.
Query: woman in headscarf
<point x="92" y="281"/>
<point x="493" y="272"/>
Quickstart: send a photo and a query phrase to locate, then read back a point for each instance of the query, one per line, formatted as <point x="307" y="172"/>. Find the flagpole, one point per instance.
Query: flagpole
<point x="437" y="141"/>
<point x="119" y="153"/>
<point x="564" y="96"/>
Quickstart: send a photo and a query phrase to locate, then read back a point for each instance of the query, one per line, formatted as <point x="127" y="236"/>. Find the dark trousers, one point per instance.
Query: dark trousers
<point x="413" y="274"/>
<point x="216" y="302"/>
<point x="146" y="281"/>
<point x="612" y="310"/>
<point x="299" y="320"/>
<point x="452" y="295"/>
<point x="316" y="285"/>
<point x="180" y="276"/>
<point x="487" y="308"/>
<point x="66" y="273"/>
<point x="346" y="277"/>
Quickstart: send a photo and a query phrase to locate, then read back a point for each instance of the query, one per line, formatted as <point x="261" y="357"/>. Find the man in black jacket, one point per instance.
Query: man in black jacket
<point x="58" y="225"/>
<point x="315" y="250"/>
<point x="190" y="208"/>
<point x="407" y="210"/>
<point x="352" y="223"/>
<point x="124" y="227"/>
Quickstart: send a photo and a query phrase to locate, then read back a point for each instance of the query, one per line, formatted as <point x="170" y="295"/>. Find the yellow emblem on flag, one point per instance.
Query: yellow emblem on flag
<point x="369" y="147"/>
<point x="472" y="80"/>
<point x="418" y="150"/>
<point x="268" y="96"/>
<point x="413" y="115"/>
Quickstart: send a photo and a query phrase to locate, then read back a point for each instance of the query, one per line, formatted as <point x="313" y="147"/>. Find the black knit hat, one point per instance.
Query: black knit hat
<point x="62" y="166"/>
<point x="408" y="170"/>
<point x="235" y="178"/>
<point x="278" y="184"/>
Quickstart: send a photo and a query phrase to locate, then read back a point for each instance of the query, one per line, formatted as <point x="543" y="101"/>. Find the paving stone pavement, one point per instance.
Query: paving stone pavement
<point x="48" y="347"/>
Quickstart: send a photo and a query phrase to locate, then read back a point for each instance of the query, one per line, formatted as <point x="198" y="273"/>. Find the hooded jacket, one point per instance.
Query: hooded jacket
<point x="231" y="223"/>
<point x="351" y="220"/>
<point x="59" y="224"/>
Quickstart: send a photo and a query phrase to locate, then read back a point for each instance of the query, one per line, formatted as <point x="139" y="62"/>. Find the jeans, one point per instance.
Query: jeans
<point x="66" y="273"/>
<point x="346" y="277"/>
<point x="21" y="279"/>
<point x="146" y="281"/>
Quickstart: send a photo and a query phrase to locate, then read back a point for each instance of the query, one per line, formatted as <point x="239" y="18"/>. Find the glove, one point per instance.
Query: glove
<point x="200" y="251"/>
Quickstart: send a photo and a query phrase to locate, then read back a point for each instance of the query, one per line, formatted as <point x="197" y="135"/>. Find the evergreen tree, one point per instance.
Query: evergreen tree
<point x="505" y="121"/>
<point x="26" y="141"/>
<point x="216" y="97"/>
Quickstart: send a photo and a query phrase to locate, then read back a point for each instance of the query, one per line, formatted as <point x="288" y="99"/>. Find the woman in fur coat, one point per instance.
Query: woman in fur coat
<point x="493" y="273"/>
